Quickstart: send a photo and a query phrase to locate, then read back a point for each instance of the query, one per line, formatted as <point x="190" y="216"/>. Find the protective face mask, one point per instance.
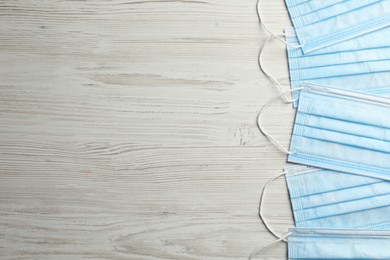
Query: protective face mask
<point x="338" y="244"/>
<point x="321" y="23"/>
<point x="328" y="199"/>
<point x="340" y="130"/>
<point x="361" y="64"/>
<point x="327" y="244"/>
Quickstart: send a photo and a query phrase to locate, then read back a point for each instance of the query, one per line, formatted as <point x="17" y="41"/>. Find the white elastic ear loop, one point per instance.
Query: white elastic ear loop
<point x="259" y="118"/>
<point x="269" y="182"/>
<point x="262" y="68"/>
<point x="269" y="31"/>
<point x="283" y="238"/>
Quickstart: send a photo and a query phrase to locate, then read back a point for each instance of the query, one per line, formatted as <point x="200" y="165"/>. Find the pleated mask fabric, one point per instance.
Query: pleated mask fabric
<point x="328" y="199"/>
<point x="361" y="64"/>
<point x="342" y="131"/>
<point x="320" y="23"/>
<point x="339" y="66"/>
<point x="305" y="244"/>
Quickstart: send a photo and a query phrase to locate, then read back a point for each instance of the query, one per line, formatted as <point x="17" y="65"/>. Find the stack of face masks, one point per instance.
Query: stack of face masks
<point x="339" y="65"/>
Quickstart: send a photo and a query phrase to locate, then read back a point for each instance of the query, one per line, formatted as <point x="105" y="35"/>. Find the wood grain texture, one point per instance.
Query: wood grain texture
<point x="128" y="129"/>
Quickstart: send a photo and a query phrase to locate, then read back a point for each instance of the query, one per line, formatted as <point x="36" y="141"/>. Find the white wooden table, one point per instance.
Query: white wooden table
<point x="128" y="129"/>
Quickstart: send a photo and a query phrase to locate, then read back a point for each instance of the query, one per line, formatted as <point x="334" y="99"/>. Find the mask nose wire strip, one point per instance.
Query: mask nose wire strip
<point x="261" y="206"/>
<point x="260" y="123"/>
<point x="254" y="254"/>
<point x="262" y="68"/>
<point x="269" y="31"/>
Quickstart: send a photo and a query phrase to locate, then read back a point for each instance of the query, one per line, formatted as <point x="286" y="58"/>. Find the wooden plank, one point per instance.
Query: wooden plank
<point x="128" y="130"/>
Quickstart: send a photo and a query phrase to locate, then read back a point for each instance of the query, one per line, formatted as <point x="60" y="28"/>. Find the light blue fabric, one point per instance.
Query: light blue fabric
<point x="361" y="64"/>
<point x="329" y="199"/>
<point x="342" y="131"/>
<point x="308" y="244"/>
<point x="320" y="23"/>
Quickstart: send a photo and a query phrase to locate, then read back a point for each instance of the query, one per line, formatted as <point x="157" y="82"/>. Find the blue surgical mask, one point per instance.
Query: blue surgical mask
<point x="342" y="131"/>
<point x="361" y="64"/>
<point x="328" y="244"/>
<point x="321" y="23"/>
<point x="339" y="130"/>
<point x="328" y="199"/>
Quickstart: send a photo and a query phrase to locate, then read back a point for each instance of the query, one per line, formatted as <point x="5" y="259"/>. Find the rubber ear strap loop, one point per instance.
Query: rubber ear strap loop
<point x="260" y="123"/>
<point x="283" y="238"/>
<point x="269" y="76"/>
<point x="280" y="237"/>
<point x="269" y="31"/>
<point x="261" y="205"/>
